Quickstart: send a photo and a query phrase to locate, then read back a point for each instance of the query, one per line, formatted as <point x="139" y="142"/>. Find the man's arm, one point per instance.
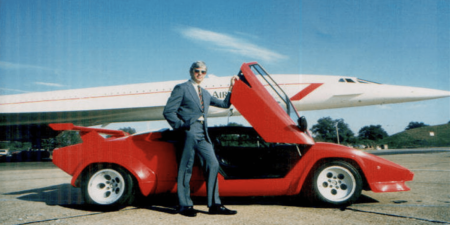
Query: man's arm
<point x="172" y="106"/>
<point x="226" y="102"/>
<point x="221" y="103"/>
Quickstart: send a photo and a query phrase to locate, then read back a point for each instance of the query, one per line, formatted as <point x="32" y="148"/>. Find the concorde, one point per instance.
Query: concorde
<point x="145" y="101"/>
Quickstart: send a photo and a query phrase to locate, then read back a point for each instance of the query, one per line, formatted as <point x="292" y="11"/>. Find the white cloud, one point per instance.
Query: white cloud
<point x="231" y="44"/>
<point x="8" y="65"/>
<point x="49" y="84"/>
<point x="2" y="90"/>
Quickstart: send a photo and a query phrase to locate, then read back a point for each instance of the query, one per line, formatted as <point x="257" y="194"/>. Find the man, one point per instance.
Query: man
<point x="186" y="111"/>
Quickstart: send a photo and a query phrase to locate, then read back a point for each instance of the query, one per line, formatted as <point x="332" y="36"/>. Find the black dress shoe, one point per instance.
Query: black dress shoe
<point x="220" y="209"/>
<point x="187" y="211"/>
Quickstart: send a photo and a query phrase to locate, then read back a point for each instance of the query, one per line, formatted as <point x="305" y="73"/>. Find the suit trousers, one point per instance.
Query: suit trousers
<point x="195" y="143"/>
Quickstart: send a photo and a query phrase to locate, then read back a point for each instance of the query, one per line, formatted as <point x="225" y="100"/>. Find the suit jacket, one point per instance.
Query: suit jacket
<point x="183" y="107"/>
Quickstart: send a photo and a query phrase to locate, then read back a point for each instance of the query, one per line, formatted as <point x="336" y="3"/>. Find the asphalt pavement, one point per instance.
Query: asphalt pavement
<point x="40" y="193"/>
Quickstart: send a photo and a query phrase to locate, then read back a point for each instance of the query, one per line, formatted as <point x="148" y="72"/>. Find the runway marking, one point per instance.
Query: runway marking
<point x="400" y="216"/>
<point x="430" y="170"/>
<point x="403" y="205"/>
<point x="62" y="218"/>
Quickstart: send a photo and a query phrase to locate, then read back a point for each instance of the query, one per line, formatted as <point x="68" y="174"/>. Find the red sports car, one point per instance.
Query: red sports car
<point x="276" y="156"/>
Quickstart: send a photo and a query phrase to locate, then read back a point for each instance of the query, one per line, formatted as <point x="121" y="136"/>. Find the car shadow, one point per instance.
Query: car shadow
<point x="64" y="195"/>
<point x="67" y="196"/>
<point x="168" y="203"/>
<point x="365" y="199"/>
<point x="299" y="201"/>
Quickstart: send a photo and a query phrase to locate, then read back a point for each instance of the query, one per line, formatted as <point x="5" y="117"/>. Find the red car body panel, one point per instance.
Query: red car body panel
<point x="121" y="151"/>
<point x="382" y="175"/>
<point x="152" y="160"/>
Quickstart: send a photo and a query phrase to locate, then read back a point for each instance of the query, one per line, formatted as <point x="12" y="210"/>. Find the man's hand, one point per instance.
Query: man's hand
<point x="232" y="81"/>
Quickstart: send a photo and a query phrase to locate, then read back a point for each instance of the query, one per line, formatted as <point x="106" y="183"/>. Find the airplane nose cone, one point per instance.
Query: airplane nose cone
<point x="424" y="93"/>
<point x="394" y="94"/>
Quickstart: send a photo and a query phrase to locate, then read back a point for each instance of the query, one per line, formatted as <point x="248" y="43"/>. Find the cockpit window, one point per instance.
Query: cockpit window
<point x="366" y="81"/>
<point x="349" y="80"/>
<point x="346" y="80"/>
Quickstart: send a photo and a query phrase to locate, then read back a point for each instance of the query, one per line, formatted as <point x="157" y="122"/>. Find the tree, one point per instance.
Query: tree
<point x="128" y="130"/>
<point x="234" y="124"/>
<point x="68" y="137"/>
<point x="413" y="125"/>
<point x="15" y="145"/>
<point x="325" y="130"/>
<point x="372" y="132"/>
<point x="50" y="143"/>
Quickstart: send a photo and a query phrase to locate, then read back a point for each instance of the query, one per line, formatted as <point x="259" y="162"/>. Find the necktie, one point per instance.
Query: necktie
<point x="200" y="96"/>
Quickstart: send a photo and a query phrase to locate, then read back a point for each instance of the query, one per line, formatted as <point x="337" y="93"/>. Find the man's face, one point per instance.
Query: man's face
<point x="198" y="74"/>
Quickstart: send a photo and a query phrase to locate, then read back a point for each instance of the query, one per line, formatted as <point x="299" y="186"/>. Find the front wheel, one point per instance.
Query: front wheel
<point x="107" y="186"/>
<point x="335" y="183"/>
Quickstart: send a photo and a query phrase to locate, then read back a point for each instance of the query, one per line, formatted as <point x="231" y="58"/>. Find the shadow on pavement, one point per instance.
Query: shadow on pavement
<point x="168" y="203"/>
<point x="70" y="197"/>
<point x="63" y="194"/>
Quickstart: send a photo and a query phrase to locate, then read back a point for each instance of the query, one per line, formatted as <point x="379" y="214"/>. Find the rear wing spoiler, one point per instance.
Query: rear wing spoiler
<point x="85" y="130"/>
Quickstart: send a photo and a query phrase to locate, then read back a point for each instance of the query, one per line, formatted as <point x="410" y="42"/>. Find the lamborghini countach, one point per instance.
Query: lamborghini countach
<point x="276" y="156"/>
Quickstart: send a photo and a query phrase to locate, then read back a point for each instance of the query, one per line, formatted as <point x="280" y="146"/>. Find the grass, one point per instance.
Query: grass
<point x="429" y="136"/>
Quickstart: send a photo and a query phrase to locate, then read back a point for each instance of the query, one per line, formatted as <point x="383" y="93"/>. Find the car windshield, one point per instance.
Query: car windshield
<point x="280" y="96"/>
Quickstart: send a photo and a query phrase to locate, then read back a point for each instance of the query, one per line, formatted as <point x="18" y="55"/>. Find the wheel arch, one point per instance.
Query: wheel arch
<point x="144" y="177"/>
<point x="318" y="190"/>
<point x="322" y="161"/>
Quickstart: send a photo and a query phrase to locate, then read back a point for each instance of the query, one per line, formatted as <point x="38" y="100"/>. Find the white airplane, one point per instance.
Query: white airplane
<point x="30" y="113"/>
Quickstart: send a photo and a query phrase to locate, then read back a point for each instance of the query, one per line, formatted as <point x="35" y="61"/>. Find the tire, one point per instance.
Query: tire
<point x="336" y="184"/>
<point x="107" y="185"/>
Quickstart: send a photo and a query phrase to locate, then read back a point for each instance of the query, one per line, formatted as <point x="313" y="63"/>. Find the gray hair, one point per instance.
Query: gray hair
<point x="196" y="65"/>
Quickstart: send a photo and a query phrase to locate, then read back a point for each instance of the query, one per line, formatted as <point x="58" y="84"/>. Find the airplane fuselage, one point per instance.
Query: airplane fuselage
<point x="145" y="102"/>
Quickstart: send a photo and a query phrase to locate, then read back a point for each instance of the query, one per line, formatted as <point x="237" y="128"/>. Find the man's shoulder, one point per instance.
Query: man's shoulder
<point x="182" y="85"/>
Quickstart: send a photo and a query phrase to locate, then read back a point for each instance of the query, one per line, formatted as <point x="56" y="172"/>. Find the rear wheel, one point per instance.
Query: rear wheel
<point x="107" y="185"/>
<point x="335" y="183"/>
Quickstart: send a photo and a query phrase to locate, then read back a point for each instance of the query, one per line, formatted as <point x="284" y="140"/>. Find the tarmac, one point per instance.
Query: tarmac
<point x="40" y="193"/>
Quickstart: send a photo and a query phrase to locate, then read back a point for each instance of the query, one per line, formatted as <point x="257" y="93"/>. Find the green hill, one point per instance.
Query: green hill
<point x="430" y="136"/>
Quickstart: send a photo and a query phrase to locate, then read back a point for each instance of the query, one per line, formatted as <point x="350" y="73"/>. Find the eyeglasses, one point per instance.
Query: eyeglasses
<point x="200" y="71"/>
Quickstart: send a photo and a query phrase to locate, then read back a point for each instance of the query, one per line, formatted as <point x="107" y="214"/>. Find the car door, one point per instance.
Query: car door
<point x="273" y="118"/>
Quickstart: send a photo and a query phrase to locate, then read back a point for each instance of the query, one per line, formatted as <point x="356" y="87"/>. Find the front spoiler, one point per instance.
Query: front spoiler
<point x="391" y="186"/>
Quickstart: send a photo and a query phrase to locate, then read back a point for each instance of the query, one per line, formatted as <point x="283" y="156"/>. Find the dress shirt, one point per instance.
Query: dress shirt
<point x="201" y="118"/>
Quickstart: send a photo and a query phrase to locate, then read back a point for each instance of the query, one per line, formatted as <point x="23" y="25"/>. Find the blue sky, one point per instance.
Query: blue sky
<point x="50" y="45"/>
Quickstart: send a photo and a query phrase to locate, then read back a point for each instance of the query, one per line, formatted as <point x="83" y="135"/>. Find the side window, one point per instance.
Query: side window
<point x="240" y="140"/>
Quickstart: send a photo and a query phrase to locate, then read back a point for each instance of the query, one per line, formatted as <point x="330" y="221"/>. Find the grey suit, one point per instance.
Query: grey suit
<point x="182" y="112"/>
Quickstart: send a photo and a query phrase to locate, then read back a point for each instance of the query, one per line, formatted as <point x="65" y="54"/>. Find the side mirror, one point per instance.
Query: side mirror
<point x="302" y="124"/>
